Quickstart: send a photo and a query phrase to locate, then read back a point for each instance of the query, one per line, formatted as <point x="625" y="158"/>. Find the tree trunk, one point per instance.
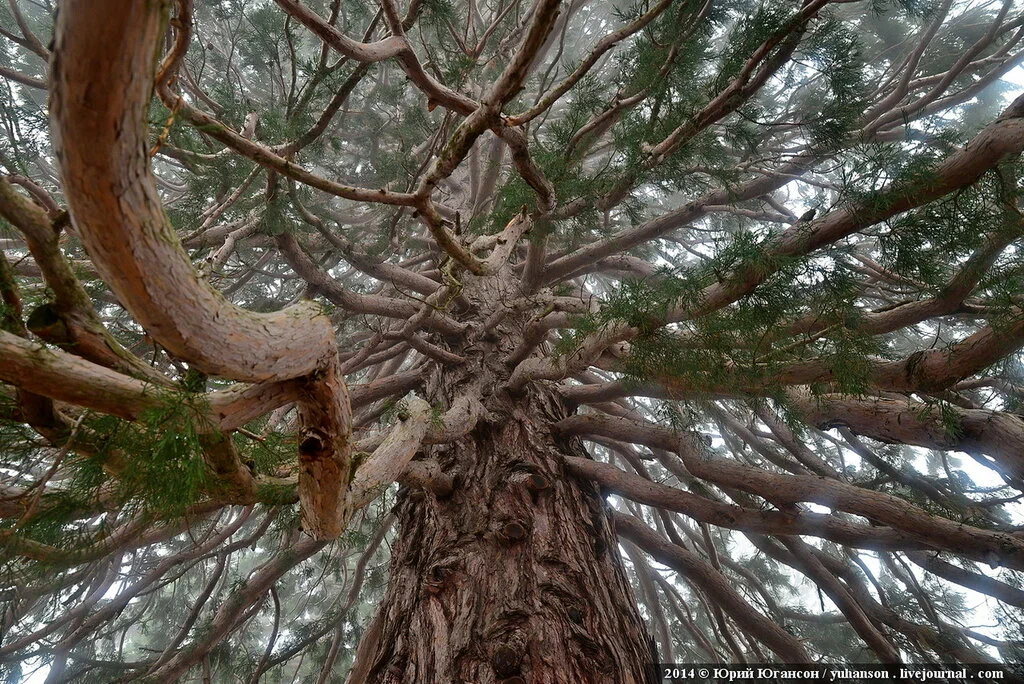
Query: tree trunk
<point x="516" y="577"/>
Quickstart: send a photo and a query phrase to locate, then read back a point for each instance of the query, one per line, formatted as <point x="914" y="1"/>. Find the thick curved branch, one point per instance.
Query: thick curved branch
<point x="102" y="73"/>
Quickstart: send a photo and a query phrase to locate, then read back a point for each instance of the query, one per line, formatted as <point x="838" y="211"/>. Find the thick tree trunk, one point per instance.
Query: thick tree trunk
<point x="516" y="577"/>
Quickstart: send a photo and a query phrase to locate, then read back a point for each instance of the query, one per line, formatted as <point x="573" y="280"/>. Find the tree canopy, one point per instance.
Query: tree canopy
<point x="267" y="263"/>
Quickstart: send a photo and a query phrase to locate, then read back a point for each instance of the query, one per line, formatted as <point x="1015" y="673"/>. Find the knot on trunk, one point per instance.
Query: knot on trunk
<point x="46" y="322"/>
<point x="537" y="482"/>
<point x="513" y="531"/>
<point x="506" y="661"/>
<point x="313" y="445"/>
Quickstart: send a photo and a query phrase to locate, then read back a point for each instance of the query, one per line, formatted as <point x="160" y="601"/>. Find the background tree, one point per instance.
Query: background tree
<point x="691" y="318"/>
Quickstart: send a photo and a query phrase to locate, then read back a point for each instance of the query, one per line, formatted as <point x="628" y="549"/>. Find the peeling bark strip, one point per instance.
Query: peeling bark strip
<point x="102" y="73"/>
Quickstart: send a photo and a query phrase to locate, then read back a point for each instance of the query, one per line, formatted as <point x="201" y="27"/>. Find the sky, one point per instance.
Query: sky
<point x="983" y="613"/>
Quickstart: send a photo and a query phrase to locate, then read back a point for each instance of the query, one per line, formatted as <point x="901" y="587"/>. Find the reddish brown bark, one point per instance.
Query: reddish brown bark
<point x="516" y="574"/>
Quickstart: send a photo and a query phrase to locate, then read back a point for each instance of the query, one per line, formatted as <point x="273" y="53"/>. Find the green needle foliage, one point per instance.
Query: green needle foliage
<point x="801" y="378"/>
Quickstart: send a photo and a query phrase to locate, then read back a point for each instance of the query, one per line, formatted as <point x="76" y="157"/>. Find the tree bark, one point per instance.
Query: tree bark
<point x="514" y="577"/>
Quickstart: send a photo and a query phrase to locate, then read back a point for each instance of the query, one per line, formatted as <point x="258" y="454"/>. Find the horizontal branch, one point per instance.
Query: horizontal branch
<point x="995" y="433"/>
<point x="1007" y="548"/>
<point x="734" y="517"/>
<point x="23" y="79"/>
<point x="56" y="374"/>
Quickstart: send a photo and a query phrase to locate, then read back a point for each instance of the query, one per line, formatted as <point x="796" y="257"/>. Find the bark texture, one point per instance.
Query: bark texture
<point x="751" y="216"/>
<point x="514" y="577"/>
